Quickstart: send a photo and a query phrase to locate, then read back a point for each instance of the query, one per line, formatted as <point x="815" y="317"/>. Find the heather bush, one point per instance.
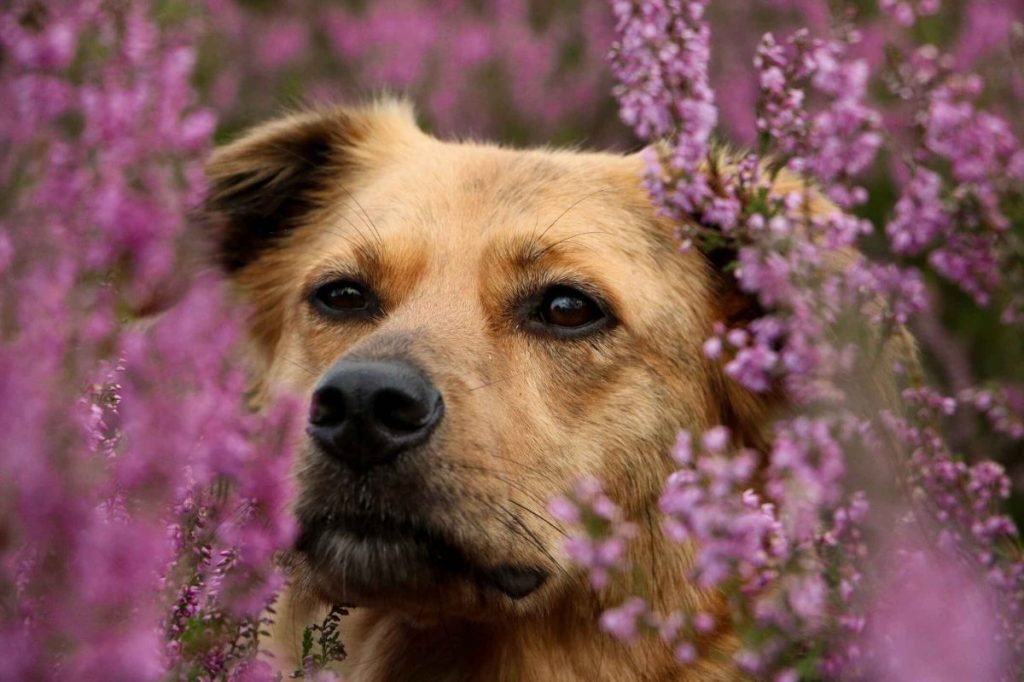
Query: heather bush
<point x="479" y="68"/>
<point x="142" y="502"/>
<point x="830" y="572"/>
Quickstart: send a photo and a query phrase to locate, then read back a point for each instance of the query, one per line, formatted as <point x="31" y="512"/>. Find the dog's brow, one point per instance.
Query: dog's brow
<point x="349" y="221"/>
<point x="539" y="236"/>
<point x="526" y="250"/>
<point x="365" y="260"/>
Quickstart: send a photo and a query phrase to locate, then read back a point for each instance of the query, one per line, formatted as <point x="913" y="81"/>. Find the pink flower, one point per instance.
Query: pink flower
<point x="910" y="635"/>
<point x="715" y="439"/>
<point x="624" y="621"/>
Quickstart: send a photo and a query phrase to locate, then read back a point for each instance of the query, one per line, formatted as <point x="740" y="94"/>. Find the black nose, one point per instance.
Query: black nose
<point x="364" y="413"/>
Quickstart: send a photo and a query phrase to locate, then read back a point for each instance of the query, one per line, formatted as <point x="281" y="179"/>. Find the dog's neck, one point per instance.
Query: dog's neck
<point x="563" y="643"/>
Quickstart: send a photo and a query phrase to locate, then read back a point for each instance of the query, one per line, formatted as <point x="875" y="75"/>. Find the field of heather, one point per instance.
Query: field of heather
<point x="145" y="506"/>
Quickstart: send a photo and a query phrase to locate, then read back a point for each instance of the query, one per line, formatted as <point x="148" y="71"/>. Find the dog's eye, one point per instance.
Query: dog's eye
<point x="343" y="297"/>
<point x="566" y="309"/>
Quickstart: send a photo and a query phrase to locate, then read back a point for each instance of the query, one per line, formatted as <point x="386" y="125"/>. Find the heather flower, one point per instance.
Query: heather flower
<point x="602" y="550"/>
<point x="806" y="469"/>
<point x="735" y="535"/>
<point x="116" y="548"/>
<point x="768" y="549"/>
<point x="906" y="12"/>
<point x="955" y="206"/>
<point x="1003" y="407"/>
<point x="661" y="62"/>
<point x="911" y="635"/>
<point x="107" y="485"/>
<point x="486" y="67"/>
<point x="623" y="622"/>
<point x="903" y="290"/>
<point x="919" y="217"/>
<point x="834" y="143"/>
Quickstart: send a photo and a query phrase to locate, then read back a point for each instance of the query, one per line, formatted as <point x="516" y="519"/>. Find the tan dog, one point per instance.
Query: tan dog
<point x="476" y="328"/>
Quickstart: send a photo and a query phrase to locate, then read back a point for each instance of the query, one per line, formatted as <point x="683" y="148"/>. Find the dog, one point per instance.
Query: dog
<point x="475" y="329"/>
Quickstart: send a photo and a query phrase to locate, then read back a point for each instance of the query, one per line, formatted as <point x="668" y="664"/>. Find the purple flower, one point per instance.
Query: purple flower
<point x="920" y="216"/>
<point x="120" y="431"/>
<point x="910" y="635"/>
<point x="661" y="64"/>
<point x="602" y="551"/>
<point x="624" y="622"/>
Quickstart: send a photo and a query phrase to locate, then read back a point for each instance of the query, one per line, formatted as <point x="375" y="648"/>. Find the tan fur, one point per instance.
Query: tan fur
<point x="450" y="234"/>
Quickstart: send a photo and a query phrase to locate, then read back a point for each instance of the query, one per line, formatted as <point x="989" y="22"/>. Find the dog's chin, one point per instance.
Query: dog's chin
<point x="381" y="563"/>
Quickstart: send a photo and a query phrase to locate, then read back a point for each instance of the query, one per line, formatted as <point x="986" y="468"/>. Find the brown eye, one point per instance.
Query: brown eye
<point x="569" y="309"/>
<point x="343" y="298"/>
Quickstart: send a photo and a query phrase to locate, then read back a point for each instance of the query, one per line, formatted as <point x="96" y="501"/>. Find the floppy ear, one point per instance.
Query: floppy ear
<point x="263" y="185"/>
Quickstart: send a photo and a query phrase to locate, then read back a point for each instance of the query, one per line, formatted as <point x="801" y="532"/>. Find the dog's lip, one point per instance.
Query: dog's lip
<point x="517" y="581"/>
<point x="416" y="542"/>
<point x="386" y="534"/>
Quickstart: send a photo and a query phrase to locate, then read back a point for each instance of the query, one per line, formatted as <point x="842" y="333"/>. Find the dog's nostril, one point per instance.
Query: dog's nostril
<point x="327" y="408"/>
<point x="398" y="411"/>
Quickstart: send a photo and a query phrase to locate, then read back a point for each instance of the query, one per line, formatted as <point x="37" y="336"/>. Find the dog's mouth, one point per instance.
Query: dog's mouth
<point x="373" y="558"/>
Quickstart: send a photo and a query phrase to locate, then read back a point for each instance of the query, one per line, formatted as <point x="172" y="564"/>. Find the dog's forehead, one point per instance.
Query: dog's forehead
<point x="475" y="194"/>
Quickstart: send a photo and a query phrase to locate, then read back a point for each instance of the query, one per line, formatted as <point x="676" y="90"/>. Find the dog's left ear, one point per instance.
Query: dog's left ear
<point x="262" y="186"/>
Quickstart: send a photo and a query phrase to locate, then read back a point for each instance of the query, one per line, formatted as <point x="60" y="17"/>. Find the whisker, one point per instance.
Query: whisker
<point x="490" y="383"/>
<point x="497" y="472"/>
<point x="497" y="475"/>
<point x="535" y="240"/>
<point x="552" y="245"/>
<point x="529" y="509"/>
<point x="547" y="521"/>
<point x="525" y="466"/>
<point x="529" y="534"/>
<point x="340" y="212"/>
<point x="334" y="216"/>
<point x="365" y="215"/>
<point x="300" y="366"/>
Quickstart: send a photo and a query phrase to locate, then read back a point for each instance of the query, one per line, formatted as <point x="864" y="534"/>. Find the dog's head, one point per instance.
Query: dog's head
<point x="475" y="328"/>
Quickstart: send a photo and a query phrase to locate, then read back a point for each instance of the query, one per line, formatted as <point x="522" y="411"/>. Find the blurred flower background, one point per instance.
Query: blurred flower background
<point x="140" y="502"/>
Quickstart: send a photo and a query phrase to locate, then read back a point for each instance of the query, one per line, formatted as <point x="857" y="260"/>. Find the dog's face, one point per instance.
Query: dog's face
<point x="475" y="329"/>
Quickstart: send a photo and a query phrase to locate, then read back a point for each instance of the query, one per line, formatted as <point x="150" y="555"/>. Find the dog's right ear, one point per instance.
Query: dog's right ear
<point x="262" y="185"/>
